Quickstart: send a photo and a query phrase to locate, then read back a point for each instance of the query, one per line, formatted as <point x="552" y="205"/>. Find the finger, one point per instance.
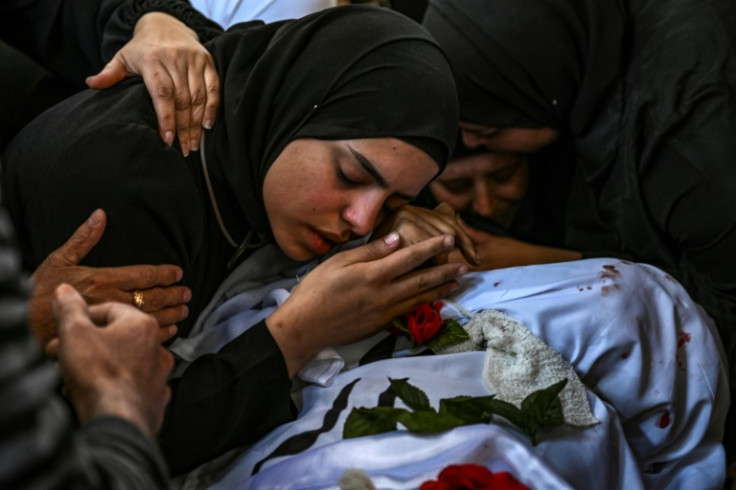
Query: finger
<point x="69" y="307"/>
<point x="107" y="313"/>
<point x="142" y="277"/>
<point x="375" y="249"/>
<point x="409" y="258"/>
<point x="464" y="242"/>
<point x="161" y="87"/>
<point x="446" y="209"/>
<point x="182" y="106"/>
<point x="155" y="299"/>
<point x="83" y="239"/>
<point x="171" y="315"/>
<point x="166" y="333"/>
<point x="428" y="280"/>
<point x="212" y="81"/>
<point x="198" y="93"/>
<point x="52" y="348"/>
<point x="112" y="73"/>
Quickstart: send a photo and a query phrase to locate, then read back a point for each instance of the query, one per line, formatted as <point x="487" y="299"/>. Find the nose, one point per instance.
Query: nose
<point x="362" y="213"/>
<point x="484" y="197"/>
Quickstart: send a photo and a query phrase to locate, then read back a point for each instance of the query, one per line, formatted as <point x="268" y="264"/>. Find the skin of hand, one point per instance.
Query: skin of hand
<point x="415" y="224"/>
<point x="165" y="301"/>
<point x="497" y="252"/>
<point x="178" y="71"/>
<point x="119" y="369"/>
<point x="356" y="293"/>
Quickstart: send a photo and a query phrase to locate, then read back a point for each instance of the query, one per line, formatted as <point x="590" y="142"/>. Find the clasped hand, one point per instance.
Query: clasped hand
<point x="356" y="293"/>
<point x="178" y="71"/>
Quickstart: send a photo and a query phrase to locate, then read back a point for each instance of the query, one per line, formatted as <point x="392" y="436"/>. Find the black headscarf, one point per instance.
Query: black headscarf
<point x="530" y="63"/>
<point x="343" y="73"/>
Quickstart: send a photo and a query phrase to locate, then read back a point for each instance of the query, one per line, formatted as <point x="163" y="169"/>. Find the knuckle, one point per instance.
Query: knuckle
<point x="164" y="91"/>
<point x="182" y="101"/>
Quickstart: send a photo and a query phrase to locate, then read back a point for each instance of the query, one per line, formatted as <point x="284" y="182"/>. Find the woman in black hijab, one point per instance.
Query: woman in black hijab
<point x="643" y="93"/>
<point x="327" y="124"/>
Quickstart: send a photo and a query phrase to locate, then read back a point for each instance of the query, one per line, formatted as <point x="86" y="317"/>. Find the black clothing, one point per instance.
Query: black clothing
<point x="64" y="41"/>
<point x="303" y="100"/>
<point x="76" y="38"/>
<point x="41" y="448"/>
<point x="646" y="91"/>
<point x="340" y="73"/>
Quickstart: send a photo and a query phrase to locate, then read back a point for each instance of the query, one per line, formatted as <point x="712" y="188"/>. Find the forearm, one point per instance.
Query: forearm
<point x="226" y="400"/>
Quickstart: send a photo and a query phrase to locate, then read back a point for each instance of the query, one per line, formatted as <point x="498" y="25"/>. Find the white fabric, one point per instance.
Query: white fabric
<point x="229" y="12"/>
<point x="649" y="355"/>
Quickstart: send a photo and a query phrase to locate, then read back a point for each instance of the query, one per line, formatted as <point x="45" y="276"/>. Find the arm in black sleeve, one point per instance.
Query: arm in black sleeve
<point x="226" y="400"/>
<point x="689" y="192"/>
<point x="75" y="38"/>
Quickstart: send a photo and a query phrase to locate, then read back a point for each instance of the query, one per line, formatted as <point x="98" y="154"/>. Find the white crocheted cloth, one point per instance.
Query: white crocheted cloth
<point x="518" y="363"/>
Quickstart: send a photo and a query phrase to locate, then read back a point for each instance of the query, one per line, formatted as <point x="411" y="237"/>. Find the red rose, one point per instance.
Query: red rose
<point x="424" y="321"/>
<point x="472" y="477"/>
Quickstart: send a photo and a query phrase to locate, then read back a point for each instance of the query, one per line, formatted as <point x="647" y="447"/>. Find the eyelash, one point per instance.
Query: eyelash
<point x="344" y="179"/>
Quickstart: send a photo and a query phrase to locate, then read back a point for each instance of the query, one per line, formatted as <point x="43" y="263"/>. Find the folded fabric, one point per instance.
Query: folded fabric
<point x="518" y="363"/>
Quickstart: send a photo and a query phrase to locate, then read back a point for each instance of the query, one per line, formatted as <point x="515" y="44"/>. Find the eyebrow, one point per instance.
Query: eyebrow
<point x="371" y="169"/>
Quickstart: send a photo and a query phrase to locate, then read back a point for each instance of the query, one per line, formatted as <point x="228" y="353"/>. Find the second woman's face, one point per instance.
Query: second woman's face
<point x="321" y="193"/>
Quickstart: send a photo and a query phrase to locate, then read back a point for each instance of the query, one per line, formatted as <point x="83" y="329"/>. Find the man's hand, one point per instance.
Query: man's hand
<point x="111" y="360"/>
<point x="165" y="301"/>
<point x="178" y="71"/>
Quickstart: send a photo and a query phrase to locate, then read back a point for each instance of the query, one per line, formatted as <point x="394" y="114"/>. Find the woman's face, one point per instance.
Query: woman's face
<point x="488" y="184"/>
<point x="512" y="140"/>
<point x="321" y="193"/>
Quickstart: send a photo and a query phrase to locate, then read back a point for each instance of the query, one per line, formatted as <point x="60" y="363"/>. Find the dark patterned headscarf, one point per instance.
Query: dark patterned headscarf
<point x="530" y="63"/>
<point x="342" y="73"/>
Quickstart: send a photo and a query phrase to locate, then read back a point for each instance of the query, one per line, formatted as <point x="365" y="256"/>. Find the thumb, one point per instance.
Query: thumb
<point x="111" y="74"/>
<point x="83" y="240"/>
<point x="67" y="303"/>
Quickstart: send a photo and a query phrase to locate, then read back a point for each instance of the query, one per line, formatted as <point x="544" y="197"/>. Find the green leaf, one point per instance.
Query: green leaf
<point x="414" y="398"/>
<point x="423" y="422"/>
<point x="543" y="408"/>
<point x="539" y="403"/>
<point x="369" y="421"/>
<point x="509" y="411"/>
<point x="451" y="333"/>
<point x="471" y="410"/>
<point x="397" y="323"/>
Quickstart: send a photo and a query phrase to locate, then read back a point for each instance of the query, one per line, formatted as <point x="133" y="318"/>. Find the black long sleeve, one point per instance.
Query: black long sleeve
<point x="75" y="38"/>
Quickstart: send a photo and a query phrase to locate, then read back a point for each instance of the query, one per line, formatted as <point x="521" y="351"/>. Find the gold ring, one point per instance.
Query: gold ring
<point x="138" y="301"/>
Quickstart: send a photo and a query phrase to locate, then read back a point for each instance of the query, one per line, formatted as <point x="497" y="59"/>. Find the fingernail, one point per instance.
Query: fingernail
<point x="391" y="239"/>
<point x="187" y="296"/>
<point x="179" y="274"/>
<point x="208" y="124"/>
<point x="169" y="137"/>
<point x="449" y="241"/>
<point x="95" y="218"/>
<point x="185" y="149"/>
<point x="462" y="270"/>
<point x="194" y="145"/>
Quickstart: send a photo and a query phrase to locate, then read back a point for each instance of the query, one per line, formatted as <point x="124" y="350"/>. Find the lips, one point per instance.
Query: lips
<point x="320" y="243"/>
